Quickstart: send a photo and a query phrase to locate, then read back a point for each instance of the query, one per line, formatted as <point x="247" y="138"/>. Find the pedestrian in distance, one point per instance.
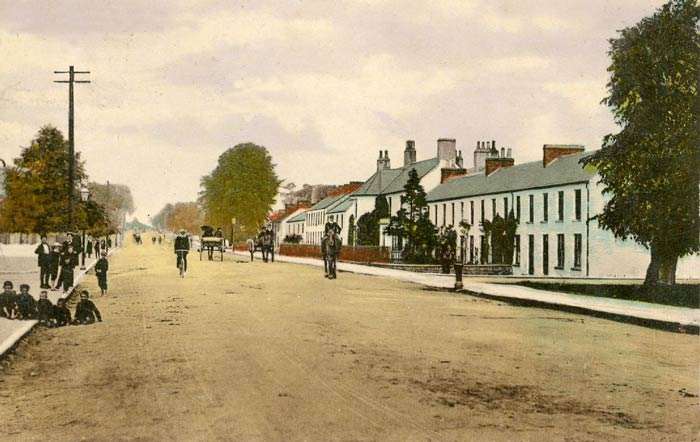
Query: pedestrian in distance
<point x="89" y="247"/>
<point x="101" y="268"/>
<point x="86" y="312"/>
<point x="54" y="264"/>
<point x="43" y="252"/>
<point x="61" y="314"/>
<point x="97" y="246"/>
<point x="8" y="307"/>
<point x="26" y="304"/>
<point x="45" y="309"/>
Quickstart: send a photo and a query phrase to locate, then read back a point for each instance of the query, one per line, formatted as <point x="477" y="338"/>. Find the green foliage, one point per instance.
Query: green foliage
<point x="412" y="225"/>
<point x="92" y="216"/>
<point x="446" y="247"/>
<point x="243" y="186"/>
<point x="499" y="235"/>
<point x="368" y="224"/>
<point x="38" y="188"/>
<point x="294" y="238"/>
<point x="651" y="168"/>
<point x="368" y="230"/>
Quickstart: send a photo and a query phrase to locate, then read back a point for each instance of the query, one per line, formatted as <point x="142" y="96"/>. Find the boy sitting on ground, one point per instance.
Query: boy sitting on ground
<point x="61" y="314"/>
<point x="26" y="304"/>
<point x="8" y="297"/>
<point x="86" y="311"/>
<point x="45" y="309"/>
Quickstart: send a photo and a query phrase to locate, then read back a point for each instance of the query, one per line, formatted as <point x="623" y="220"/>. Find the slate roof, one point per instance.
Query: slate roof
<point x="564" y="170"/>
<point x="299" y="217"/>
<point x="326" y="202"/>
<point x="393" y="180"/>
<point x="342" y="207"/>
<point x="372" y="185"/>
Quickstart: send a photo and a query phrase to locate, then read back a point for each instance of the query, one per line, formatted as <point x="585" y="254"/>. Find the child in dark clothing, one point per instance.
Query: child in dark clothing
<point x="26" y="304"/>
<point x="68" y="262"/>
<point x="54" y="261"/>
<point x="101" y="267"/>
<point x="61" y="314"/>
<point x="85" y="311"/>
<point x="45" y="309"/>
<point x="8" y="308"/>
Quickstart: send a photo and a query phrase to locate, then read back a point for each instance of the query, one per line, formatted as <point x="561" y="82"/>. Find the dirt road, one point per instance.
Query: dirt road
<point x="243" y="351"/>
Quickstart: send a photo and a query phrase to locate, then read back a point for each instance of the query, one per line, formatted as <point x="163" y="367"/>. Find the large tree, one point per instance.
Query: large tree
<point x="243" y="186"/>
<point x="651" y="168"/>
<point x="116" y="200"/>
<point x="368" y="224"/>
<point x="158" y="220"/>
<point x="412" y="224"/>
<point x="38" y="188"/>
<point x="188" y="216"/>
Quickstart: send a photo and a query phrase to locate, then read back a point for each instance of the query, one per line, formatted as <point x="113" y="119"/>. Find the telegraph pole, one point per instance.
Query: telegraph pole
<point x="71" y="142"/>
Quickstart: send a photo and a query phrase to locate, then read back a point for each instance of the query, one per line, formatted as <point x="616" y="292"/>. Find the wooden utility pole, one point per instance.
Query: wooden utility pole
<point x="71" y="142"/>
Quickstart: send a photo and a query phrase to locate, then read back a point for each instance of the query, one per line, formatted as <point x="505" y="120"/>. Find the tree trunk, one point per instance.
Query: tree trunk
<point x="652" y="276"/>
<point x="667" y="272"/>
<point x="662" y="267"/>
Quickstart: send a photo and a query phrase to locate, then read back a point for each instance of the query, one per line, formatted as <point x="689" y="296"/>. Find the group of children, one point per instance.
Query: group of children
<point x="24" y="306"/>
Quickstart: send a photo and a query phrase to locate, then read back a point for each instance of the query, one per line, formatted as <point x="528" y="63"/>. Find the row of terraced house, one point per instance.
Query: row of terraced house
<point x="554" y="200"/>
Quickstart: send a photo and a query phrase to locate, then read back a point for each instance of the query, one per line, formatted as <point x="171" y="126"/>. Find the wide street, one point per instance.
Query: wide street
<point x="241" y="351"/>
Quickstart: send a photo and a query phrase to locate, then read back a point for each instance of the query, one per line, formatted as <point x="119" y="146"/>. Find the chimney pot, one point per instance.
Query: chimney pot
<point x="380" y="154"/>
<point x="503" y="152"/>
<point x="478" y="144"/>
<point x="493" y="144"/>
<point x="510" y="151"/>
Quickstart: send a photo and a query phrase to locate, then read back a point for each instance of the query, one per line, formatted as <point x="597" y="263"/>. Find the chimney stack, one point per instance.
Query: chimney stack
<point x="447" y="149"/>
<point x="495" y="163"/>
<point x="409" y="155"/>
<point x="553" y="151"/>
<point x="383" y="161"/>
<point x="503" y="152"/>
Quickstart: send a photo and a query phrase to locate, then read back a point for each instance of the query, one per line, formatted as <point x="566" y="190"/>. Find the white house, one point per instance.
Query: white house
<point x="554" y="200"/>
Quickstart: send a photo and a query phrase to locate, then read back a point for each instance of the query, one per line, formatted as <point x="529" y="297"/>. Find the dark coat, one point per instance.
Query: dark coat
<point x="43" y="255"/>
<point x="182" y="243"/>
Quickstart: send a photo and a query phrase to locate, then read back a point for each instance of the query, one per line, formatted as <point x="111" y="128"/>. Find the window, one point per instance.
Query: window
<point x="545" y="207"/>
<point x="577" y="198"/>
<point x="471" y="210"/>
<point x="444" y="214"/>
<point x="517" y="207"/>
<point x="471" y="249"/>
<point x="516" y="249"/>
<point x="505" y="207"/>
<point x="577" y="251"/>
<point x="561" y="206"/>
<point x="482" y="211"/>
<point x="453" y="214"/>
<point x="436" y="214"/>
<point x="461" y="211"/>
<point x="545" y="254"/>
<point x="493" y="209"/>
<point x="389" y="205"/>
<point x="482" y="242"/>
<point x="532" y="208"/>
<point x="560" y="251"/>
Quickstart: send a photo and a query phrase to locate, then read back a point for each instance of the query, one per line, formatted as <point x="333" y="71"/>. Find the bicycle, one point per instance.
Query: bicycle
<point x="181" y="257"/>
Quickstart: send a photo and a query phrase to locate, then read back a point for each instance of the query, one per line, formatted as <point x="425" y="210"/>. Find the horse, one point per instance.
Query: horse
<point x="267" y="247"/>
<point x="330" y="249"/>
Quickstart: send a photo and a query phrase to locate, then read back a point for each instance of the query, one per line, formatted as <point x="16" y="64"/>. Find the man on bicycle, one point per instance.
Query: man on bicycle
<point x="182" y="248"/>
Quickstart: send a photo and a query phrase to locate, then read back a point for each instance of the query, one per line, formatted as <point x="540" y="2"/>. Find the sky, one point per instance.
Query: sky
<point x="322" y="85"/>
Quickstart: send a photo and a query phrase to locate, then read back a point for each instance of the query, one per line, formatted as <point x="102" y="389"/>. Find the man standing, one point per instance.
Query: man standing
<point x="43" y="252"/>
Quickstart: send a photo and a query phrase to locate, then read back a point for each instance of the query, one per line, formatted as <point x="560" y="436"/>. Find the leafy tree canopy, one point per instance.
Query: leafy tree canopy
<point x="651" y="168"/>
<point x="188" y="216"/>
<point x="37" y="186"/>
<point x="243" y="186"/>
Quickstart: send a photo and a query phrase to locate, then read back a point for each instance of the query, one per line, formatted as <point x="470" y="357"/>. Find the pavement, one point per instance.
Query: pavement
<point x="666" y="317"/>
<point x="18" y="264"/>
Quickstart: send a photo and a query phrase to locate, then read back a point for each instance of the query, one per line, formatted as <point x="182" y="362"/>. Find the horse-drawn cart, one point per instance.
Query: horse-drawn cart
<point x="212" y="244"/>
